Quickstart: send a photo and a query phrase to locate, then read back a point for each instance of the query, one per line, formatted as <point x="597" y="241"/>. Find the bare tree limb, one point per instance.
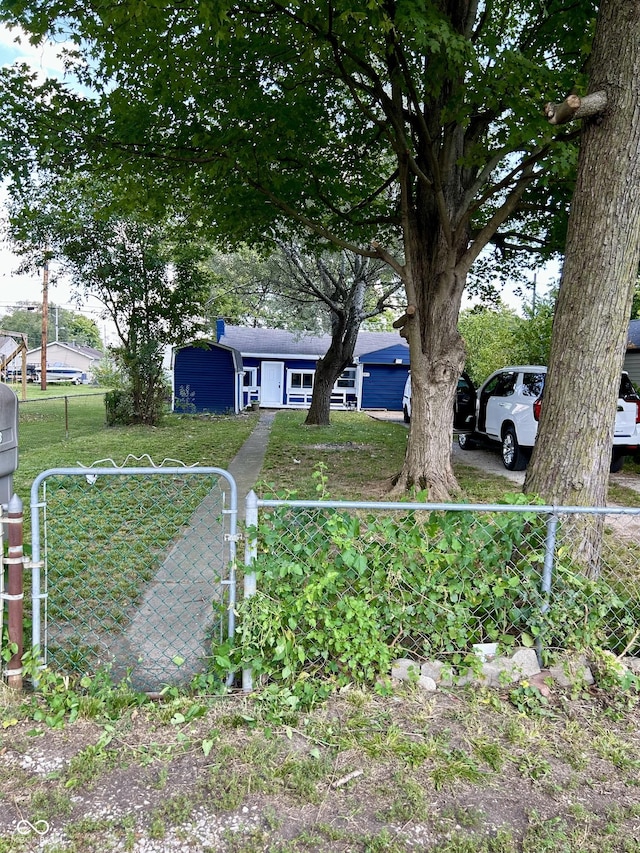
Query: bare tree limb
<point x="575" y="107"/>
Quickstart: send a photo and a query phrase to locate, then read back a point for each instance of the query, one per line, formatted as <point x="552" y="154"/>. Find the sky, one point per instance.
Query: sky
<point x="18" y="288"/>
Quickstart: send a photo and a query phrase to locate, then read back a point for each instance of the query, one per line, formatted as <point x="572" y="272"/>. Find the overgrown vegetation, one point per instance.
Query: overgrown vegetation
<point x="341" y="594"/>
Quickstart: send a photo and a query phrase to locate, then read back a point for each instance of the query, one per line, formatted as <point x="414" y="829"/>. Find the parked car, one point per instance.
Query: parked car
<point x="463" y="409"/>
<point x="508" y="409"/>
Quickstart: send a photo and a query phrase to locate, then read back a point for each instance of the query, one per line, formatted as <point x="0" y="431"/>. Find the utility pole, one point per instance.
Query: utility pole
<point x="45" y="323"/>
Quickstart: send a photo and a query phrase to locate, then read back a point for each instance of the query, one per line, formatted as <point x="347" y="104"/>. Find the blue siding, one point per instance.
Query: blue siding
<point x="209" y="374"/>
<point x="383" y="387"/>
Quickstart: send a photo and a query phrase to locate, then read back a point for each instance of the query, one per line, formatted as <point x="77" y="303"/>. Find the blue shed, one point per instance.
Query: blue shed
<point x="207" y="377"/>
<point x="384" y="373"/>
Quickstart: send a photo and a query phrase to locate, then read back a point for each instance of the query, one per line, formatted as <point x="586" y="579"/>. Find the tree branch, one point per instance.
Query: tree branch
<point x="575" y="107"/>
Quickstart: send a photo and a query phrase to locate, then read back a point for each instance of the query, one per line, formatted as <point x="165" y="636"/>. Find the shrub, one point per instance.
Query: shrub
<point x="119" y="408"/>
<point x="340" y="595"/>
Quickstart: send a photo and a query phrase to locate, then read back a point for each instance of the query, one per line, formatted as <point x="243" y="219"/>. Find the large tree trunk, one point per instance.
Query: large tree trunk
<point x="328" y="369"/>
<point x="570" y="462"/>
<point x="434" y="284"/>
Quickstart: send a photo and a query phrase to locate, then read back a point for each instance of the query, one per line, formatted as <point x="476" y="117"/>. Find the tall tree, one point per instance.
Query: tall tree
<point x="570" y="461"/>
<point x="400" y="123"/>
<point x="348" y="289"/>
<point x="150" y="279"/>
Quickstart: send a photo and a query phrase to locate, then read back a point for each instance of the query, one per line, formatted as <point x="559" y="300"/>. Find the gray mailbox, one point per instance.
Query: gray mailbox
<point x="8" y="441"/>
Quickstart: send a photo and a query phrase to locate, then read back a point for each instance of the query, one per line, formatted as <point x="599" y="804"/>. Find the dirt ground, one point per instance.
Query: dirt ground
<point x="466" y="770"/>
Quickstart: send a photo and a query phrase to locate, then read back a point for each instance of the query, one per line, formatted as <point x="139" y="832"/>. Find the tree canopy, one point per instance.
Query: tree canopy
<point x="65" y="325"/>
<point x="414" y="123"/>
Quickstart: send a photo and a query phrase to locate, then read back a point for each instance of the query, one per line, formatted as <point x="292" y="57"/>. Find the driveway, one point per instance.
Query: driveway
<point x="488" y="458"/>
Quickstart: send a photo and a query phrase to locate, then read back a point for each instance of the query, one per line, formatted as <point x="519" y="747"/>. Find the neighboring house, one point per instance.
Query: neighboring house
<point x="8" y="347"/>
<point x="276" y="368"/>
<point x="632" y="356"/>
<point x="69" y="355"/>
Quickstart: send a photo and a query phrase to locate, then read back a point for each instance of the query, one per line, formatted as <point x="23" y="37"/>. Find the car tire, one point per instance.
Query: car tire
<point x="406" y="415"/>
<point x="617" y="463"/>
<point x="465" y="442"/>
<point x="513" y="457"/>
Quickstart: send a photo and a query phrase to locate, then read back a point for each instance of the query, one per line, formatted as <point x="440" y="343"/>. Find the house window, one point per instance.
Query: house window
<point x="250" y="378"/>
<point x="301" y="380"/>
<point x="347" y="379"/>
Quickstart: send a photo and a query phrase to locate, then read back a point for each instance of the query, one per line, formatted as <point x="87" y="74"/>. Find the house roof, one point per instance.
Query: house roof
<point x="281" y="342"/>
<point x="89" y="352"/>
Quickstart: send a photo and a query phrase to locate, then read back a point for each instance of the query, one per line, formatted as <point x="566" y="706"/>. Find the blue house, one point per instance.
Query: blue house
<point x="632" y="357"/>
<point x="276" y="369"/>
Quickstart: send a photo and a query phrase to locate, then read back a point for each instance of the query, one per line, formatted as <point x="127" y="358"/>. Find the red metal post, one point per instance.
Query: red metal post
<point x="15" y="591"/>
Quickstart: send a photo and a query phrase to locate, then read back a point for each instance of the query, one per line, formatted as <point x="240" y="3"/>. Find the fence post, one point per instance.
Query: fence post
<point x="250" y="554"/>
<point x="15" y="591"/>
<point x="547" y="572"/>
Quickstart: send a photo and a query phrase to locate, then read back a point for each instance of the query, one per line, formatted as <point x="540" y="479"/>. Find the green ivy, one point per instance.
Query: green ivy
<point x="340" y="594"/>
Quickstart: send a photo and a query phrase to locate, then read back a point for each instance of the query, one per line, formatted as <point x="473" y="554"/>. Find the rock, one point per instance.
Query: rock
<point x="427" y="684"/>
<point x="526" y="661"/>
<point x="405" y="669"/>
<point x="538" y="681"/>
<point x="433" y="669"/>
<point x="571" y="671"/>
<point x="633" y="664"/>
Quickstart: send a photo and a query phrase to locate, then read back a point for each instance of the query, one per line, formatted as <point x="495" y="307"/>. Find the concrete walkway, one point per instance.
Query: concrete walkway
<point x="169" y="632"/>
<point x="245" y="467"/>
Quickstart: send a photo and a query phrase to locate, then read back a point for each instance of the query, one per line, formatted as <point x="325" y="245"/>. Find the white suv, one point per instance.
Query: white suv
<point x="508" y="409"/>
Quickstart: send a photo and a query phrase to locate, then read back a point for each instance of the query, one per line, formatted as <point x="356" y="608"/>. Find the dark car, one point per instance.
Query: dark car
<point x="464" y="409"/>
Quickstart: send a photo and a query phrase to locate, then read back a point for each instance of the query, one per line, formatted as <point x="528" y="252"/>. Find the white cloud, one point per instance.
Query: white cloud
<point x="45" y="59"/>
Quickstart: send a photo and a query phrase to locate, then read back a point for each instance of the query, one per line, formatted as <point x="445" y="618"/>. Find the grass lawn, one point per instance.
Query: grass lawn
<point x="359" y="454"/>
<point x="458" y="771"/>
<point x="49" y="439"/>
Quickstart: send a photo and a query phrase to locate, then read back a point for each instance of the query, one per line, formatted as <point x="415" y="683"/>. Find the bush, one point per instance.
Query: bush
<point x="340" y="595"/>
<point x="119" y="408"/>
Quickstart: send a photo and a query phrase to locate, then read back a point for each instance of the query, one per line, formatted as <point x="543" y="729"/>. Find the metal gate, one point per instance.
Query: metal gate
<point x="133" y="569"/>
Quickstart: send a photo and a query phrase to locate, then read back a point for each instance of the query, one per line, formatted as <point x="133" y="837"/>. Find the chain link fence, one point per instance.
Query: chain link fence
<point x="432" y="580"/>
<point x="133" y="568"/>
<point x="64" y="415"/>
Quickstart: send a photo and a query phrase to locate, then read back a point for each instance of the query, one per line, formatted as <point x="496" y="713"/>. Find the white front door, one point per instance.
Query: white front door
<point x="271" y="383"/>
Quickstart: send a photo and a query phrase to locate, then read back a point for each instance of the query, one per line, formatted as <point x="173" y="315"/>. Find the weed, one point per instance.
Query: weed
<point x="408" y="801"/>
<point x="301" y="775"/>
<point x="489" y="751"/>
<point x="173" y="811"/>
<point x="225" y="787"/>
<point x="86" y="766"/>
<point x="533" y="767"/>
<point x="49" y="803"/>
